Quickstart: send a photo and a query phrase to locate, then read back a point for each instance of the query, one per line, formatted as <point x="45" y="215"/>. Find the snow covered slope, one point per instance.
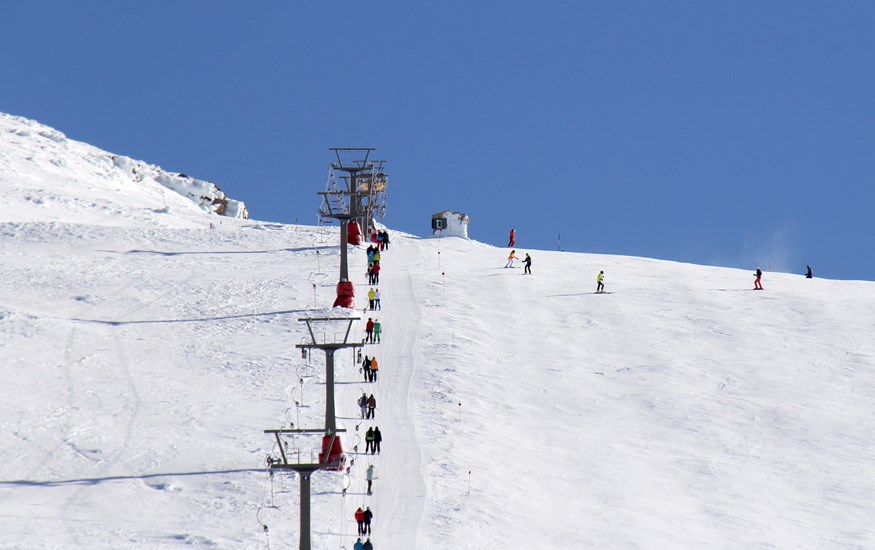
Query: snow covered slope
<point x="47" y="177"/>
<point x="143" y="358"/>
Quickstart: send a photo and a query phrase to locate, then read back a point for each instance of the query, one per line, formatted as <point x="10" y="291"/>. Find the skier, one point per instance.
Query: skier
<point x="372" y="404"/>
<point x="371" y="297"/>
<point x="600" y="280"/>
<point x="378" y="328"/>
<point x="370" y="477"/>
<point x="368" y="545"/>
<point x="369" y="330"/>
<point x="528" y="264"/>
<point x="366" y="368"/>
<point x="360" y="518"/>
<point x="368" y="517"/>
<point x="510" y="258"/>
<point x="386" y="239"/>
<point x="378" y="437"/>
<point x="374" y="368"/>
<point x="512" y="242"/>
<point x="379" y="240"/>
<point x="371" y="252"/>
<point x="375" y="271"/>
<point x="757" y="283"/>
<point x="369" y="440"/>
<point x="363" y="404"/>
<point x="377" y="298"/>
<point x="808" y="274"/>
<point x="377" y="256"/>
<point x="358" y="545"/>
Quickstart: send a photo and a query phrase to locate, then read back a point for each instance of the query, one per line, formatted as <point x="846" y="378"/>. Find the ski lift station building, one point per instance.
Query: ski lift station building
<point x="449" y="224"/>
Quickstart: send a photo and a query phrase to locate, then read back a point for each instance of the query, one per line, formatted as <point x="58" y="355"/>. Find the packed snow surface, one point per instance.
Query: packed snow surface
<point x="144" y="358"/>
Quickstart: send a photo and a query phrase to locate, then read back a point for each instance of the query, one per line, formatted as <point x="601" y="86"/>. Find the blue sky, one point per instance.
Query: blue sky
<point x="736" y="134"/>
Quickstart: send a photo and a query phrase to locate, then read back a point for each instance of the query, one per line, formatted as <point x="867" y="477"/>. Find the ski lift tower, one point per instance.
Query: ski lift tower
<point x="344" y="205"/>
<point x="371" y="196"/>
<point x="331" y="457"/>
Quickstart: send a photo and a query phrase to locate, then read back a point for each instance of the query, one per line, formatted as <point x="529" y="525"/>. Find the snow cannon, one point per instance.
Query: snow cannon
<point x="354" y="233"/>
<point x="345" y="295"/>
<point x="335" y="455"/>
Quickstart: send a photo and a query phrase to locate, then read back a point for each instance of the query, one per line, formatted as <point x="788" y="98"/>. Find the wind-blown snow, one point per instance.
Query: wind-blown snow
<point x="144" y="356"/>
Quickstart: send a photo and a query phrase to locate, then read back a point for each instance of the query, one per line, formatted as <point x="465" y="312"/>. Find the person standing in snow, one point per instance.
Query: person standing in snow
<point x="600" y="282"/>
<point x="808" y="273"/>
<point x="358" y="545"/>
<point x="363" y="404"/>
<point x="512" y="241"/>
<point x="510" y="258"/>
<point x="379" y="240"/>
<point x="368" y="517"/>
<point x="369" y="331"/>
<point x="366" y="368"/>
<point x="378" y="328"/>
<point x="371" y="297"/>
<point x="757" y="283"/>
<point x="376" y="273"/>
<point x="360" y="518"/>
<point x="376" y="298"/>
<point x="386" y="239"/>
<point x="369" y="440"/>
<point x="375" y="366"/>
<point x="372" y="405"/>
<point x="528" y="263"/>
<point x="370" y="477"/>
<point x="378" y="437"/>
<point x="367" y="545"/>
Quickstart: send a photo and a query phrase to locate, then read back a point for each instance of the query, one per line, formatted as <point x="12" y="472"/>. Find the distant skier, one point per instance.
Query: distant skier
<point x="360" y="518"/>
<point x="369" y="330"/>
<point x="367" y="545"/>
<point x="368" y="517"/>
<point x="379" y="240"/>
<point x="378" y="328"/>
<point x="510" y="258"/>
<point x="808" y="274"/>
<point x="386" y="239"/>
<point x="375" y="273"/>
<point x="512" y="242"/>
<point x="366" y="368"/>
<point x="370" y="477"/>
<point x="600" y="282"/>
<point x="372" y="405"/>
<point x="358" y="545"/>
<point x="757" y="283"/>
<point x="371" y="297"/>
<point x="528" y="263"/>
<point x="377" y="298"/>
<point x="378" y="437"/>
<point x="363" y="404"/>
<point x="375" y="366"/>
<point x="369" y="440"/>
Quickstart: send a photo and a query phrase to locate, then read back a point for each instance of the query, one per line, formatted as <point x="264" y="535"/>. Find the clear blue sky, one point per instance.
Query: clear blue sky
<point x="734" y="133"/>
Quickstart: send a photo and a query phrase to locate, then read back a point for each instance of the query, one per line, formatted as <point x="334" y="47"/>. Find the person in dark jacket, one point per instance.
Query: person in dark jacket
<point x="369" y="440"/>
<point x="367" y="545"/>
<point x="372" y="405"/>
<point x="366" y="368"/>
<point x="369" y="331"/>
<point x="808" y="274"/>
<point x="528" y="263"/>
<point x="378" y="437"/>
<point x="368" y="517"/>
<point x="359" y="545"/>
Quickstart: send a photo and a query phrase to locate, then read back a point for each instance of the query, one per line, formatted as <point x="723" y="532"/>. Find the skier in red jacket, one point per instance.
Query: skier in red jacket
<point x="512" y="242"/>
<point x="360" y="518"/>
<point x="369" y="331"/>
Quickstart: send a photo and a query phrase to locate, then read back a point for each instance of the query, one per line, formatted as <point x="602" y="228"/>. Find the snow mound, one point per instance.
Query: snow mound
<point x="46" y="177"/>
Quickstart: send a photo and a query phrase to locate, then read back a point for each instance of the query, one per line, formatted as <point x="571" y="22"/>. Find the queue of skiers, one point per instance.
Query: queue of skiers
<point x="370" y="368"/>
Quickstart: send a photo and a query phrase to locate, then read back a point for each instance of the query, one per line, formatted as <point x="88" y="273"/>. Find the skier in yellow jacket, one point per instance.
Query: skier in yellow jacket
<point x="600" y="287"/>
<point x="510" y="258"/>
